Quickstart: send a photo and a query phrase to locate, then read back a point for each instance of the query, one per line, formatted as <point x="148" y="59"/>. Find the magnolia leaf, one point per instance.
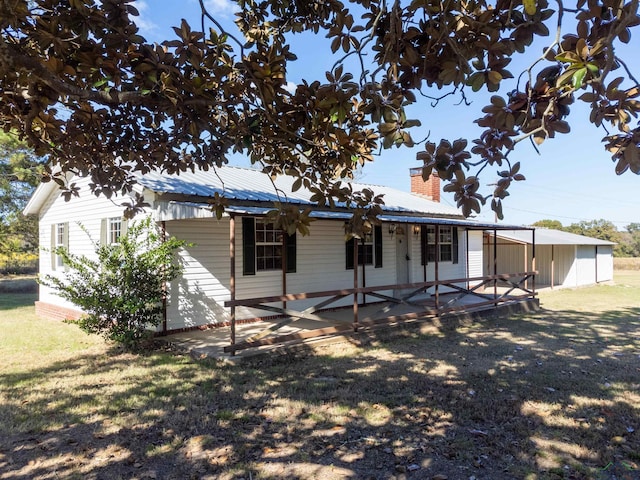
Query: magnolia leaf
<point x="577" y="80"/>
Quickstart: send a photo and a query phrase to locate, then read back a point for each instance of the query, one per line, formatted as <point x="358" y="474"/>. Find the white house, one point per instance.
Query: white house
<point x="562" y="259"/>
<point x="242" y="256"/>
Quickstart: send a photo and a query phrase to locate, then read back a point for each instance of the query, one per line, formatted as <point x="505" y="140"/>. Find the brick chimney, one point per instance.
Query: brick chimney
<point x="429" y="189"/>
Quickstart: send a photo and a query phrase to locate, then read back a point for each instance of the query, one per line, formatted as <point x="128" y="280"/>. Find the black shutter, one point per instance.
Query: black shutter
<point x="290" y="246"/>
<point x="248" y="246"/>
<point x="454" y="246"/>
<point x="423" y="244"/>
<point x="349" y="253"/>
<point x="377" y="245"/>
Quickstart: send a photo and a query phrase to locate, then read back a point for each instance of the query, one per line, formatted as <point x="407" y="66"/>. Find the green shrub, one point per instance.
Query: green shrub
<point x="121" y="290"/>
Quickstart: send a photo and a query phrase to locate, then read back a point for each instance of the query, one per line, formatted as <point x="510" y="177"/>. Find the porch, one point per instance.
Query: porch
<point x="375" y="310"/>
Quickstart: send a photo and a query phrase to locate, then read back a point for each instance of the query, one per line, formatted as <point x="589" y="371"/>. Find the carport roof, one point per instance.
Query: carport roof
<point x="547" y="236"/>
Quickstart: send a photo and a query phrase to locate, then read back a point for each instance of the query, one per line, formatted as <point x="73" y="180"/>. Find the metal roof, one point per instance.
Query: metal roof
<point x="176" y="209"/>
<point x="548" y="236"/>
<point x="243" y="184"/>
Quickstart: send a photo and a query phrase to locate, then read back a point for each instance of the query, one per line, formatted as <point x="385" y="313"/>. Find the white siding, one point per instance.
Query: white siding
<point x="562" y="259"/>
<point x="605" y="263"/>
<point x="198" y="296"/>
<point x="475" y="254"/>
<point x="586" y="265"/>
<point x="88" y="210"/>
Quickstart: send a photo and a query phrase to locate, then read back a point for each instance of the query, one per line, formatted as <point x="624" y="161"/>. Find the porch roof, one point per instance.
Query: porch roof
<point x="175" y="209"/>
<point x="549" y="236"/>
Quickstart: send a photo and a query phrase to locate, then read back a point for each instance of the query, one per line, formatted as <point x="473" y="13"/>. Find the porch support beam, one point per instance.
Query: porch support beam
<point x="232" y="276"/>
<point x="495" y="264"/>
<point x="163" y="232"/>
<point x="533" y="259"/>
<point x="355" y="284"/>
<point x="284" y="268"/>
<point x="436" y="273"/>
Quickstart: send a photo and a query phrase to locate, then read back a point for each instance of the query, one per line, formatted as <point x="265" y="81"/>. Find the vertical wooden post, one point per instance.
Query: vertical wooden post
<point x="526" y="264"/>
<point x="533" y="258"/>
<point x="364" y="273"/>
<point x="436" y="272"/>
<point x="232" y="276"/>
<point x="466" y="246"/>
<point x="284" y="267"/>
<point x="424" y="252"/>
<point x="355" y="285"/>
<point x="495" y="267"/>
<point x="163" y="228"/>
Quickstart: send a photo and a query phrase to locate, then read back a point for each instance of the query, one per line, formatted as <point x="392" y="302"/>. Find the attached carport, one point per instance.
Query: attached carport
<point x="562" y="259"/>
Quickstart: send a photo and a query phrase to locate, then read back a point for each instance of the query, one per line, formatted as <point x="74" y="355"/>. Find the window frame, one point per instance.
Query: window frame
<point x="447" y="245"/>
<point x="59" y="238"/>
<point x="114" y="234"/>
<point x="275" y="244"/>
<point x="369" y="249"/>
<point x="60" y="241"/>
<point x="287" y="245"/>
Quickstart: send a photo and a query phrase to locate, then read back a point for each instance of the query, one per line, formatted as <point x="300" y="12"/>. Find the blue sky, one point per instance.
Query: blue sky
<point x="572" y="179"/>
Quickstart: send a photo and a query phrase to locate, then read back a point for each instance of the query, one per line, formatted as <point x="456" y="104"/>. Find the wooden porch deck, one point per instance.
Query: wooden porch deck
<point x="409" y="303"/>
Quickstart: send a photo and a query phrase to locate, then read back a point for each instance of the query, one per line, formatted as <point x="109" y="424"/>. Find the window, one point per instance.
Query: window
<point x="268" y="247"/>
<point x="59" y="238"/>
<point x="369" y="249"/>
<point x="60" y="241"/>
<point x="263" y="246"/>
<point x="111" y="229"/>
<point x="446" y="249"/>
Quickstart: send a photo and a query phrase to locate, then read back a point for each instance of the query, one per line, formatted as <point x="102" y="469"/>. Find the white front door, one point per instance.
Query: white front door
<point x="402" y="255"/>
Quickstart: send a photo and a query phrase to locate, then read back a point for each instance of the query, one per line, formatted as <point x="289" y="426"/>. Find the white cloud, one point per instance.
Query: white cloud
<point x="221" y="7"/>
<point x="146" y="26"/>
<point x="291" y="87"/>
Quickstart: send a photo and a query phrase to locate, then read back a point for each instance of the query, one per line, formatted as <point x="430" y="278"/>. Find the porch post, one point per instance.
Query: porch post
<point x="526" y="263"/>
<point x="437" y="278"/>
<point x="232" y="276"/>
<point x="424" y="250"/>
<point x="284" y="267"/>
<point x="495" y="266"/>
<point x="466" y="246"/>
<point x="364" y="277"/>
<point x="355" y="285"/>
<point x="533" y="257"/>
<point x="163" y="227"/>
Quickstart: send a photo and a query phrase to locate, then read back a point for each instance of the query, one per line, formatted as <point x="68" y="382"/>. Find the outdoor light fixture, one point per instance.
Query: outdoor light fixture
<point x="416" y="230"/>
<point x="392" y="229"/>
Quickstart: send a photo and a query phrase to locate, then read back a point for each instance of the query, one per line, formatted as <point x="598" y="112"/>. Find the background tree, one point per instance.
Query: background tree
<point x="80" y="83"/>
<point x="602" y="229"/>
<point x="630" y="243"/>
<point x="546" y="223"/>
<point x="20" y="173"/>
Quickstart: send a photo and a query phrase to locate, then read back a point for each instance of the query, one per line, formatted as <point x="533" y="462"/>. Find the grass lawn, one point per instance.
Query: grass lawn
<point x="555" y="395"/>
